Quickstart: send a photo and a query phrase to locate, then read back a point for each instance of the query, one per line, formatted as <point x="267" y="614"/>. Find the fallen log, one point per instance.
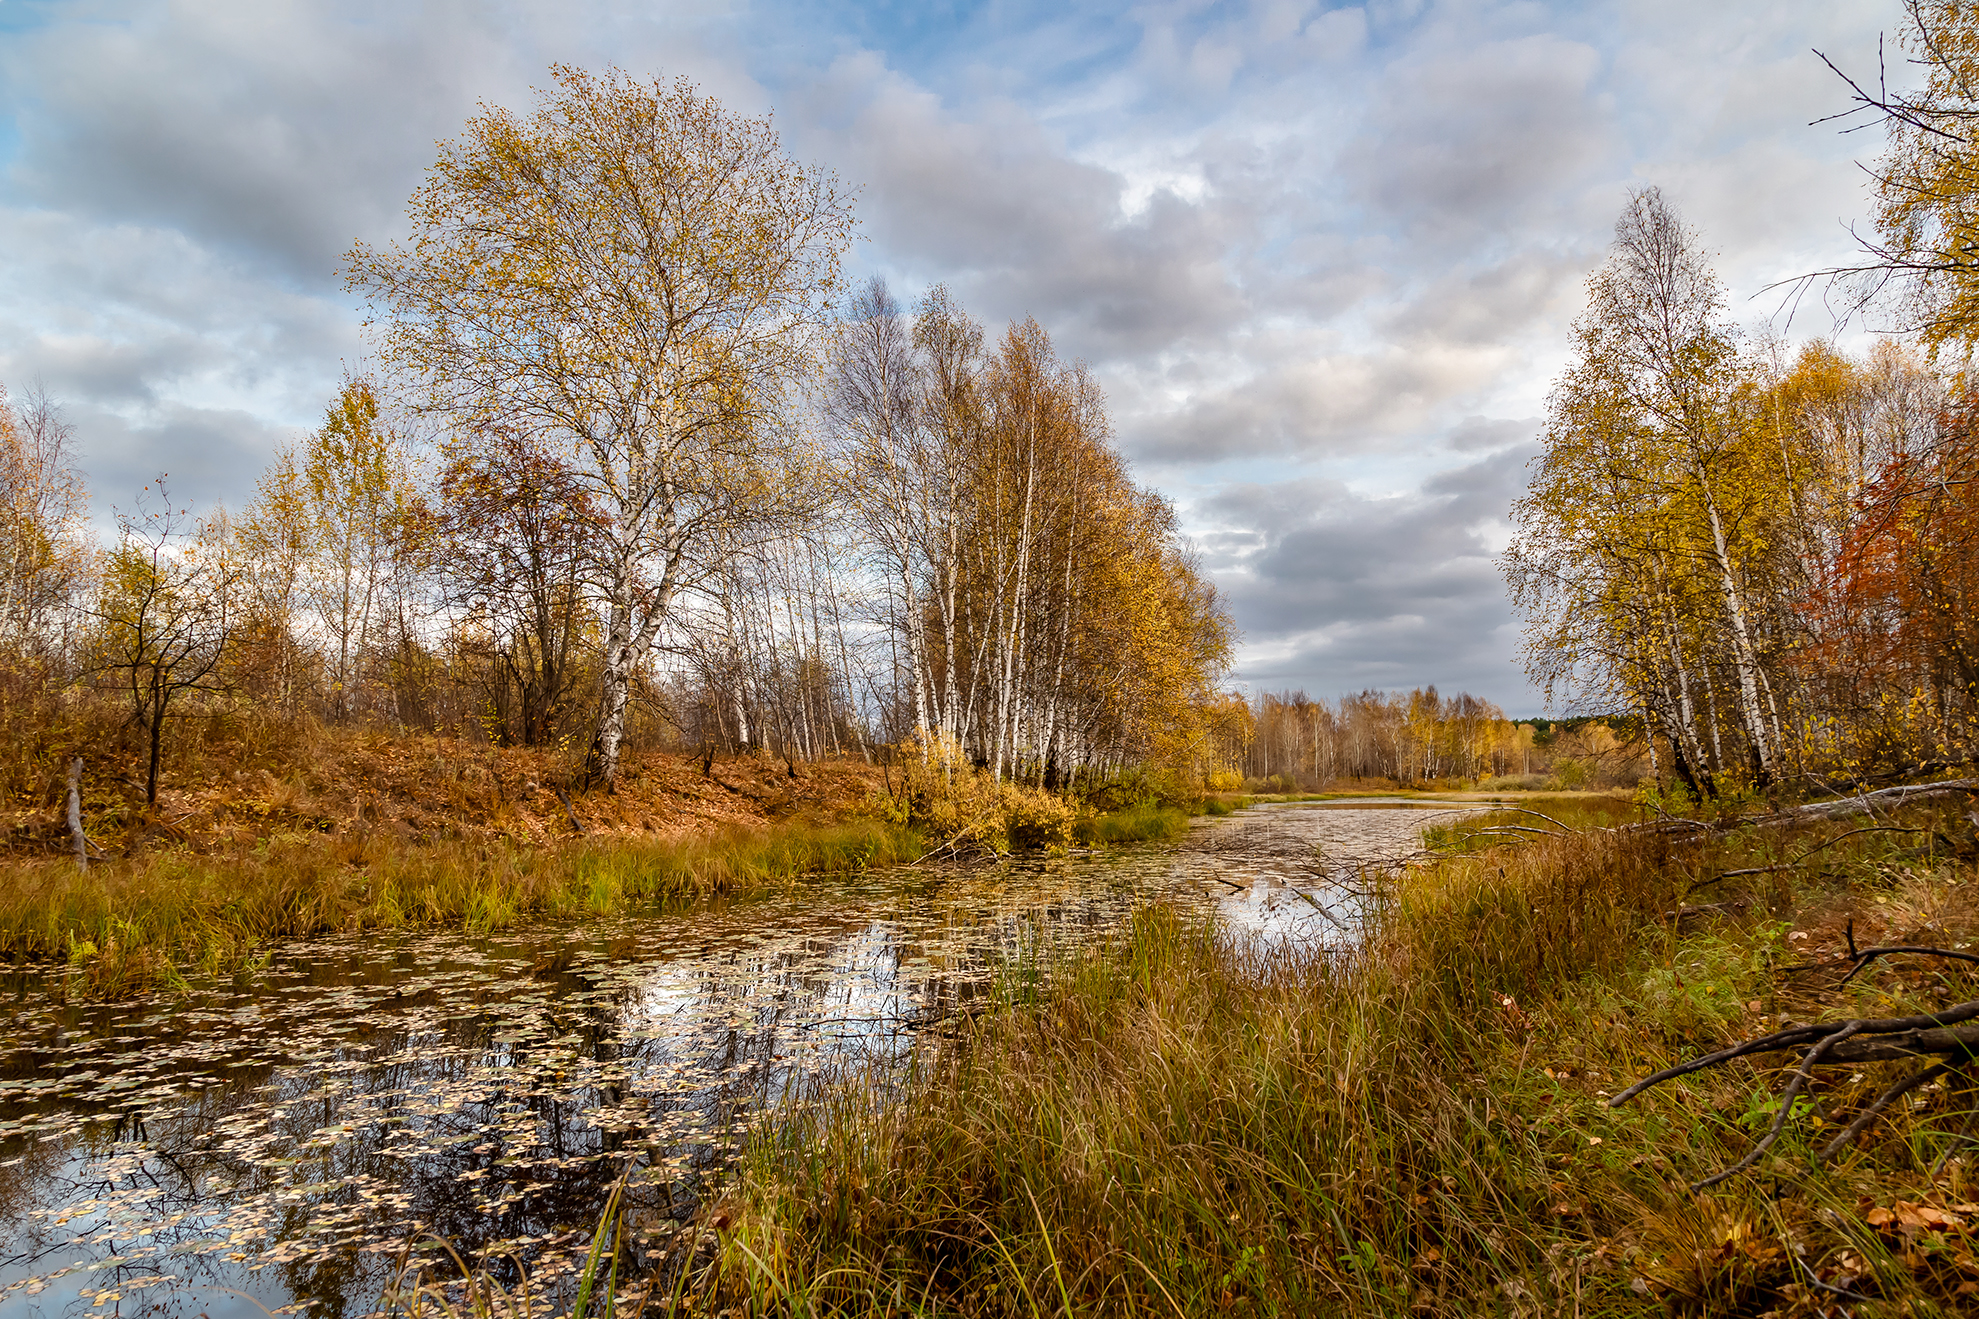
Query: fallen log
<point x="1839" y="808"/>
<point x="1865" y="803"/>
<point x="569" y="810"/>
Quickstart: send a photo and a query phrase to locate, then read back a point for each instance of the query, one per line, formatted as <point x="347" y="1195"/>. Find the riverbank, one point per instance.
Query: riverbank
<point x="375" y="833"/>
<point x="1187" y="1125"/>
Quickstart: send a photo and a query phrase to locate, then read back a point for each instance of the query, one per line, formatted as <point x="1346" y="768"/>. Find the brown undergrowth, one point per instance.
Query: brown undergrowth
<point x="1186" y="1124"/>
<point x="272" y="829"/>
<point x="238" y="782"/>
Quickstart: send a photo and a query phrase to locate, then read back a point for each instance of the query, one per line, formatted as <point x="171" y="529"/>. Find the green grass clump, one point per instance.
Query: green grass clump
<point x="1189" y="1124"/>
<point x="1145" y="822"/>
<point x="131" y="923"/>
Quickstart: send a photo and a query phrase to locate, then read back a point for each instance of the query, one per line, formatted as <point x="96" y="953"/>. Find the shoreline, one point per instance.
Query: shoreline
<point x="1424" y="1127"/>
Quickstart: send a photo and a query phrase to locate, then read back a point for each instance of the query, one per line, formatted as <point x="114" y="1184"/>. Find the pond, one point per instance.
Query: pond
<point x="271" y="1141"/>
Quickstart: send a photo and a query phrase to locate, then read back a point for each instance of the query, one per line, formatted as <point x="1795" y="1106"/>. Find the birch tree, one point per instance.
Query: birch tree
<point x="1644" y="556"/>
<point x="44" y="549"/>
<point x="277" y="543"/>
<point x="637" y="273"/>
<point x="360" y="497"/>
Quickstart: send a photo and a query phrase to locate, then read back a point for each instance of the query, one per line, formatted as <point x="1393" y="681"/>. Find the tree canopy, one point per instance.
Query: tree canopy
<point x="631" y="277"/>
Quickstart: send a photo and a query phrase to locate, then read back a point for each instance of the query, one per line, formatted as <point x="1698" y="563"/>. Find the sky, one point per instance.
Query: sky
<point x="1324" y="259"/>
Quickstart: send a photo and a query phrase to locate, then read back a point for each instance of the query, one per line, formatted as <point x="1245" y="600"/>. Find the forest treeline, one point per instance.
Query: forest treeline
<point x="977" y="568"/>
<point x="983" y="575"/>
<point x="632" y="464"/>
<point x="1289" y="741"/>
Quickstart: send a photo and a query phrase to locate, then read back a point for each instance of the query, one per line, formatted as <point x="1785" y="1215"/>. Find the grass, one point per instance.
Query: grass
<point x="1140" y="823"/>
<point x="131" y="923"/>
<point x="1186" y="1124"/>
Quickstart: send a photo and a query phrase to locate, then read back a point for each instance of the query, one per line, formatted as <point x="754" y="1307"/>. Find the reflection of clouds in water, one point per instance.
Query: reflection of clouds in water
<point x="1305" y="869"/>
<point x="493" y="1089"/>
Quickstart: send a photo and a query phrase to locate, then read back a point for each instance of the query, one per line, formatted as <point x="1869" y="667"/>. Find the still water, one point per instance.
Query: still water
<point x="272" y="1141"/>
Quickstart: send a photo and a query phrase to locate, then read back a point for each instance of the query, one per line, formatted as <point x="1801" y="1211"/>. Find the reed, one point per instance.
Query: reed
<point x="1188" y="1124"/>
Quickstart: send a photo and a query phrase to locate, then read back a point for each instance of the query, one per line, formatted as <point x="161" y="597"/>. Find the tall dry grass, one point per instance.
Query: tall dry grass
<point x="133" y="923"/>
<point x="1189" y="1125"/>
<point x="128" y="924"/>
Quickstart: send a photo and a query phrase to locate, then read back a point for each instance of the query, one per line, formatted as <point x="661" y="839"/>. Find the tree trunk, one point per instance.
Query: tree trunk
<point x="75" y="814"/>
<point x="157" y="734"/>
<point x="1742" y="650"/>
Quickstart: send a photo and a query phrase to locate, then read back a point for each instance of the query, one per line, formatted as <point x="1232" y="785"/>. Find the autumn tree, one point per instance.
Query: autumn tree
<point x="326" y="550"/>
<point x="360" y="509"/>
<point x="512" y="526"/>
<point x="1642" y="557"/>
<point x="635" y="274"/>
<point x="1046" y="616"/>
<point x="164" y="617"/>
<point x="276" y="552"/>
<point x="897" y="470"/>
<point x="44" y="550"/>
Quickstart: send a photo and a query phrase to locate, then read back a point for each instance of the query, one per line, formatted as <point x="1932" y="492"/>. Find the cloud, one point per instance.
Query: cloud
<point x="1458" y="144"/>
<point x="1335" y="590"/>
<point x="1504" y="301"/>
<point x="276" y="132"/>
<point x="1304" y="396"/>
<point x="184" y="180"/>
<point x="208" y="455"/>
<point x="1480" y="434"/>
<point x="1296" y="241"/>
<point x="995" y="208"/>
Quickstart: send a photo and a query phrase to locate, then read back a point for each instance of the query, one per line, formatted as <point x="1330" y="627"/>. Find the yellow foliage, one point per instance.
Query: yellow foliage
<point x="938" y="791"/>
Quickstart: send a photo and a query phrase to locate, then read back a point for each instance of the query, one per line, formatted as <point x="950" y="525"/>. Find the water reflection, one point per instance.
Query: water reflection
<point x="273" y="1140"/>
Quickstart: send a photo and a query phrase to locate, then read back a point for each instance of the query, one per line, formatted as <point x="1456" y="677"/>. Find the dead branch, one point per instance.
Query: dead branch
<point x="570" y="810"/>
<point x="1733" y="907"/>
<point x="1862" y="957"/>
<point x="1736" y="874"/>
<point x="1520" y="810"/>
<point x="1867" y="803"/>
<point x="1876" y="1107"/>
<point x="1839" y="808"/>
<point x="1945" y="1035"/>
<point x="1796" y="862"/>
<point x="1797" y="1082"/>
